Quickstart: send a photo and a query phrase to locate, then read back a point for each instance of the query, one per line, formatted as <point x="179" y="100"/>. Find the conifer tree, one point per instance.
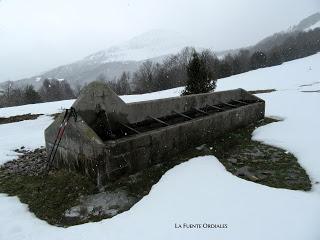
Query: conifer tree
<point x="199" y="77"/>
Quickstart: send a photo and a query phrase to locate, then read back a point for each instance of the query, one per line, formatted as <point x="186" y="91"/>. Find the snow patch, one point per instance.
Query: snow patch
<point x="29" y="134"/>
<point x="148" y="45"/>
<point x="40" y="108"/>
<point x="200" y="191"/>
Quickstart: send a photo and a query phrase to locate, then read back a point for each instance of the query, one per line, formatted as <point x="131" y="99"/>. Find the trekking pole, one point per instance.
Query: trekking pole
<point x="58" y="133"/>
<point x="69" y="112"/>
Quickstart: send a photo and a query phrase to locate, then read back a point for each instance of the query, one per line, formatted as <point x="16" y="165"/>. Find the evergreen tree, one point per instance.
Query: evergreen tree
<point x="199" y="79"/>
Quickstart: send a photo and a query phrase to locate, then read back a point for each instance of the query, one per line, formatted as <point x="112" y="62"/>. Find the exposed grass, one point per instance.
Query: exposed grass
<point x="19" y="118"/>
<point x="49" y="197"/>
<point x="282" y="167"/>
<point x="262" y="91"/>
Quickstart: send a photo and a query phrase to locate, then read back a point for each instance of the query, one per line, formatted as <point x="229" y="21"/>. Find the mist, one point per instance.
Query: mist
<point x="37" y="35"/>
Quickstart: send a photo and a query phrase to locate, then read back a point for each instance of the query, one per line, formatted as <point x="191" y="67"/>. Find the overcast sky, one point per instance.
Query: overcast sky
<point x="36" y="35"/>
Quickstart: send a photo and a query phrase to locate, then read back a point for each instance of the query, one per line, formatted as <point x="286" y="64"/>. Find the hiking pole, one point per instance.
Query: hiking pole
<point x="69" y="112"/>
<point x="58" y="133"/>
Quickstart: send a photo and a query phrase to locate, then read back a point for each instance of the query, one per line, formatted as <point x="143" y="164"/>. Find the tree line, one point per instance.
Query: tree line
<point x="51" y="90"/>
<point x="198" y="71"/>
<point x="173" y="71"/>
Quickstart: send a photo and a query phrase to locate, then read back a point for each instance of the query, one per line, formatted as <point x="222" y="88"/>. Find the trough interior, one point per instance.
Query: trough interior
<point x="122" y="130"/>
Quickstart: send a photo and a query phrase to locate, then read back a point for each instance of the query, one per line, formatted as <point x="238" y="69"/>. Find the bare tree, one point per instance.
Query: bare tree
<point x="123" y="85"/>
<point x="143" y="79"/>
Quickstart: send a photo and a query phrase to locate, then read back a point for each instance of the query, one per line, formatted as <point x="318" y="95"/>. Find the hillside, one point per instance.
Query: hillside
<point x="314" y="26"/>
<point x="279" y="38"/>
<point x="82" y="72"/>
<point x="148" y="45"/>
<point x="113" y="61"/>
<point x="154" y="45"/>
<point x="308" y="22"/>
<point x="201" y="187"/>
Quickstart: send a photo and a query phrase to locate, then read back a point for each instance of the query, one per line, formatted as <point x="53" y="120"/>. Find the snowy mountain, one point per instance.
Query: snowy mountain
<point x="154" y="45"/>
<point x="113" y="61"/>
<point x="148" y="45"/>
<point x="308" y="23"/>
<point x="266" y="44"/>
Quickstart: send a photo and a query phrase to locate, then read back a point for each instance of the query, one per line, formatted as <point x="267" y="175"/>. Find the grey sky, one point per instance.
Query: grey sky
<point x="36" y="35"/>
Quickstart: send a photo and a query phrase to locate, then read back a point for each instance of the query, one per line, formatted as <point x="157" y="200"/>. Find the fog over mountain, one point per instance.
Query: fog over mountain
<point x="38" y="35"/>
<point x="155" y="45"/>
<point x="111" y="62"/>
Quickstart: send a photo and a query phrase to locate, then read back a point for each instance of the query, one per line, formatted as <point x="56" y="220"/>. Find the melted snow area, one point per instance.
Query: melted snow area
<point x="201" y="191"/>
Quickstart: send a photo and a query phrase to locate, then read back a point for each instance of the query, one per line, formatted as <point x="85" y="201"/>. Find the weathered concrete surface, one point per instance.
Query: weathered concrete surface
<point x="156" y="146"/>
<point x="164" y="107"/>
<point x="83" y="148"/>
<point x="98" y="96"/>
<point x="80" y="148"/>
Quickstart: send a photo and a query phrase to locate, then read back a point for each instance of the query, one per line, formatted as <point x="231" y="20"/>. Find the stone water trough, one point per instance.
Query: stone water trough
<point x="110" y="138"/>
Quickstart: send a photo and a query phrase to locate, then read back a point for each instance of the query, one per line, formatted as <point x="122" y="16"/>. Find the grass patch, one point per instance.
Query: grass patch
<point x="49" y="197"/>
<point x="19" y="118"/>
<point x="262" y="91"/>
<point x="282" y="168"/>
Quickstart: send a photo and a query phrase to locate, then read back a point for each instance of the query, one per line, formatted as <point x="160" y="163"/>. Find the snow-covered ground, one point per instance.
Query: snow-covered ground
<point x="201" y="190"/>
<point x="40" y="108"/>
<point x="151" y="44"/>
<point x="26" y="133"/>
<point x="54" y="107"/>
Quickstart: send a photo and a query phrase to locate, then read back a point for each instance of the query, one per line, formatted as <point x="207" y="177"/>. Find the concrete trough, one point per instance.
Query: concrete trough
<point x="110" y="138"/>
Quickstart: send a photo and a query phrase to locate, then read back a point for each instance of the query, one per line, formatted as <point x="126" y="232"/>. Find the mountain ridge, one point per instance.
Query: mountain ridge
<point x="153" y="45"/>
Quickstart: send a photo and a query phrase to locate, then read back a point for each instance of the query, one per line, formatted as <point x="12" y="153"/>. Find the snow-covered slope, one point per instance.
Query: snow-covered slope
<point x="201" y="191"/>
<point x="148" y="45"/>
<point x="308" y="22"/>
<point x="47" y="108"/>
<point x="113" y="61"/>
<point x="279" y="38"/>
